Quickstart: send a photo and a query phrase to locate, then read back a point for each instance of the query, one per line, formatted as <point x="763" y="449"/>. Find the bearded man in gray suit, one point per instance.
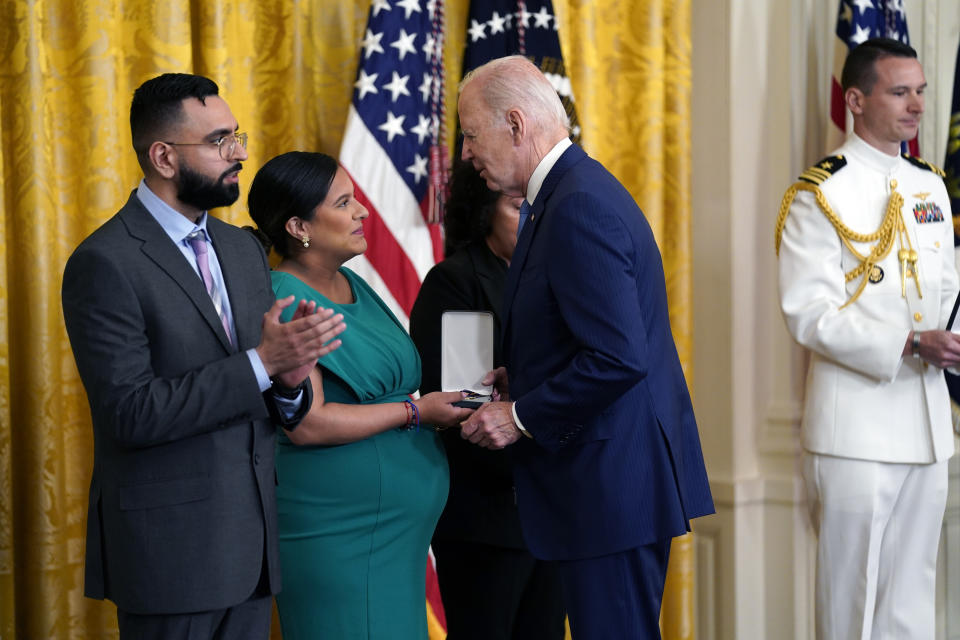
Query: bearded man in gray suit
<point x="188" y="371"/>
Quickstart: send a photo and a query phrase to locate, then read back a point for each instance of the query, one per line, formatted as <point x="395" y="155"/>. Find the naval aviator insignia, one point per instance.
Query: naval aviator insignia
<point x="876" y="274"/>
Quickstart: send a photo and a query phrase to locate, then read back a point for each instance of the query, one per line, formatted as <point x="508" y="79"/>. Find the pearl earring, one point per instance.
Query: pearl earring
<point x="305" y="239"/>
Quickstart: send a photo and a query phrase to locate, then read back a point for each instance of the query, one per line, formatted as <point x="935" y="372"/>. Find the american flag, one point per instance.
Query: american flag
<point x="858" y="21"/>
<point x="498" y="28"/>
<point x="390" y="147"/>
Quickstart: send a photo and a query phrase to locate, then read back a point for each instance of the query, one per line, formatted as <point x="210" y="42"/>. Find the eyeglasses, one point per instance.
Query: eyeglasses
<point x="226" y="144"/>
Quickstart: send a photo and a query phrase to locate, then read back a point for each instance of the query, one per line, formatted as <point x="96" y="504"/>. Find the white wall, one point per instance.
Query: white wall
<point x="760" y="76"/>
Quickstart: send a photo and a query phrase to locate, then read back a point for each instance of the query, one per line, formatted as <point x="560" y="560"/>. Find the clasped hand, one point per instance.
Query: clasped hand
<point x="940" y="348"/>
<point x="492" y="425"/>
<point x="437" y="408"/>
<point x="289" y="350"/>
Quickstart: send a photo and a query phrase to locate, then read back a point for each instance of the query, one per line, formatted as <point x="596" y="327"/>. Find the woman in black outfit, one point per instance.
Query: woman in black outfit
<point x="492" y="588"/>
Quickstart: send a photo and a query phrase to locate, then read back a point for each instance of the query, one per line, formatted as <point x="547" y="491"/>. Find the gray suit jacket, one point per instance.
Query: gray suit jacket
<point x="182" y="513"/>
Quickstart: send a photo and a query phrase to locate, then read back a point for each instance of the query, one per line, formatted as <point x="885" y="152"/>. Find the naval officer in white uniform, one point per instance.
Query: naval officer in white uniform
<point x="867" y="283"/>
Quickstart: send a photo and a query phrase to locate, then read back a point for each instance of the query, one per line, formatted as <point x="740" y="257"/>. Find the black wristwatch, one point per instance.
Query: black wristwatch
<point x="285" y="392"/>
<point x="281" y="394"/>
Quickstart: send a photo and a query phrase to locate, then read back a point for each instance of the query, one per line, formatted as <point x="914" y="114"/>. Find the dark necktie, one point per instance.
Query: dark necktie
<point x="198" y="243"/>
<point x="524" y="214"/>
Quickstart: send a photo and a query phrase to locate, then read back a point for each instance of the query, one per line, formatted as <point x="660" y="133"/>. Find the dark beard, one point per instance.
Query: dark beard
<point x="197" y="190"/>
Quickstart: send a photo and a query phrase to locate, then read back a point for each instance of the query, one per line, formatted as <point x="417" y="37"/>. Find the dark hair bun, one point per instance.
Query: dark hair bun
<point x="261" y="236"/>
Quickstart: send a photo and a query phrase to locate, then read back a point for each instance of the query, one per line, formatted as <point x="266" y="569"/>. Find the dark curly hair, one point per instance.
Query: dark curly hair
<point x="291" y="184"/>
<point x="470" y="208"/>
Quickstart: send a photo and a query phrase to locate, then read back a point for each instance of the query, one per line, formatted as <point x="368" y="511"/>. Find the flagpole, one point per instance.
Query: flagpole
<point x="439" y="157"/>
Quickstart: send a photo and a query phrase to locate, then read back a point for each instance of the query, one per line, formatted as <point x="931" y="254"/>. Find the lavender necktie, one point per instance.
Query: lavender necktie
<point x="198" y="243"/>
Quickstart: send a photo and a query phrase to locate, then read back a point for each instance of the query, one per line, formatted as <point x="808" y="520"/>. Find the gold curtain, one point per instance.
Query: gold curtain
<point x="67" y="72"/>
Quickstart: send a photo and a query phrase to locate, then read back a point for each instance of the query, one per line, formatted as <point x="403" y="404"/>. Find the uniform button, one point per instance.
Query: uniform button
<point x="909" y="273"/>
<point x="256" y="458"/>
<point x="936" y="244"/>
<point x="918" y="316"/>
<point x="893" y="184"/>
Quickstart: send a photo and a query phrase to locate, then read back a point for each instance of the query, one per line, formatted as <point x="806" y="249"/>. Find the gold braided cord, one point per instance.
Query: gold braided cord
<point x="782" y="215"/>
<point x="884" y="236"/>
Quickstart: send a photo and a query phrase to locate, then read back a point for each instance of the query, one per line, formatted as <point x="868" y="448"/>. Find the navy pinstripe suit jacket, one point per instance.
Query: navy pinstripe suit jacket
<point x="616" y="460"/>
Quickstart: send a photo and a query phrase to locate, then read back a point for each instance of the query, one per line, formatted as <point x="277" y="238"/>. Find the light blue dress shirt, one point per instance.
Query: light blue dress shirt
<point x="178" y="227"/>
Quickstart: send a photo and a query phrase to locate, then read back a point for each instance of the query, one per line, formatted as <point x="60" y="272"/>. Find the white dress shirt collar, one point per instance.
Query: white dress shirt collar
<point x="870" y="155"/>
<point x="175" y="224"/>
<point x="546" y="164"/>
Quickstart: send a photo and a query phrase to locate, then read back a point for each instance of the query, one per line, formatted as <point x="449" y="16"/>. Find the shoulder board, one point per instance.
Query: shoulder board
<point x="823" y="169"/>
<point x="923" y="164"/>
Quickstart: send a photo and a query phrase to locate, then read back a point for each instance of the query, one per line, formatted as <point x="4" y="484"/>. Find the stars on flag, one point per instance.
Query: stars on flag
<point x="860" y="20"/>
<point x="477" y="30"/>
<point x="542" y="19"/>
<point x="499" y="28"/>
<point x="365" y="84"/>
<point x="498" y="23"/>
<point x="422" y="130"/>
<point x="409" y="6"/>
<point x="863" y="6"/>
<point x="371" y="44"/>
<point x="404" y="44"/>
<point x="419" y="168"/>
<point x="395" y="84"/>
<point x="524" y="17"/>
<point x="425" y="87"/>
<point x="393" y="126"/>
<point x="861" y="35"/>
<point x="431" y="48"/>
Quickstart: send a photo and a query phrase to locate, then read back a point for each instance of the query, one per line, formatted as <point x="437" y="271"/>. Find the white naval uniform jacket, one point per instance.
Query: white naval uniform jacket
<point x="863" y="400"/>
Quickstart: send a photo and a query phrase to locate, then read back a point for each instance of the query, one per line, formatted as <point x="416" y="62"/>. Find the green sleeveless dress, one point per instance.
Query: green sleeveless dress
<point x="355" y="520"/>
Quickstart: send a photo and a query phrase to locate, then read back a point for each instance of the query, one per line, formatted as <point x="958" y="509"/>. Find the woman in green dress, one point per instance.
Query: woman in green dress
<point x="363" y="479"/>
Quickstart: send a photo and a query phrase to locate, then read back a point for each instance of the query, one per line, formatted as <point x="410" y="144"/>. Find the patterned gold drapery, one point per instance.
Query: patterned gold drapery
<point x="67" y="71"/>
